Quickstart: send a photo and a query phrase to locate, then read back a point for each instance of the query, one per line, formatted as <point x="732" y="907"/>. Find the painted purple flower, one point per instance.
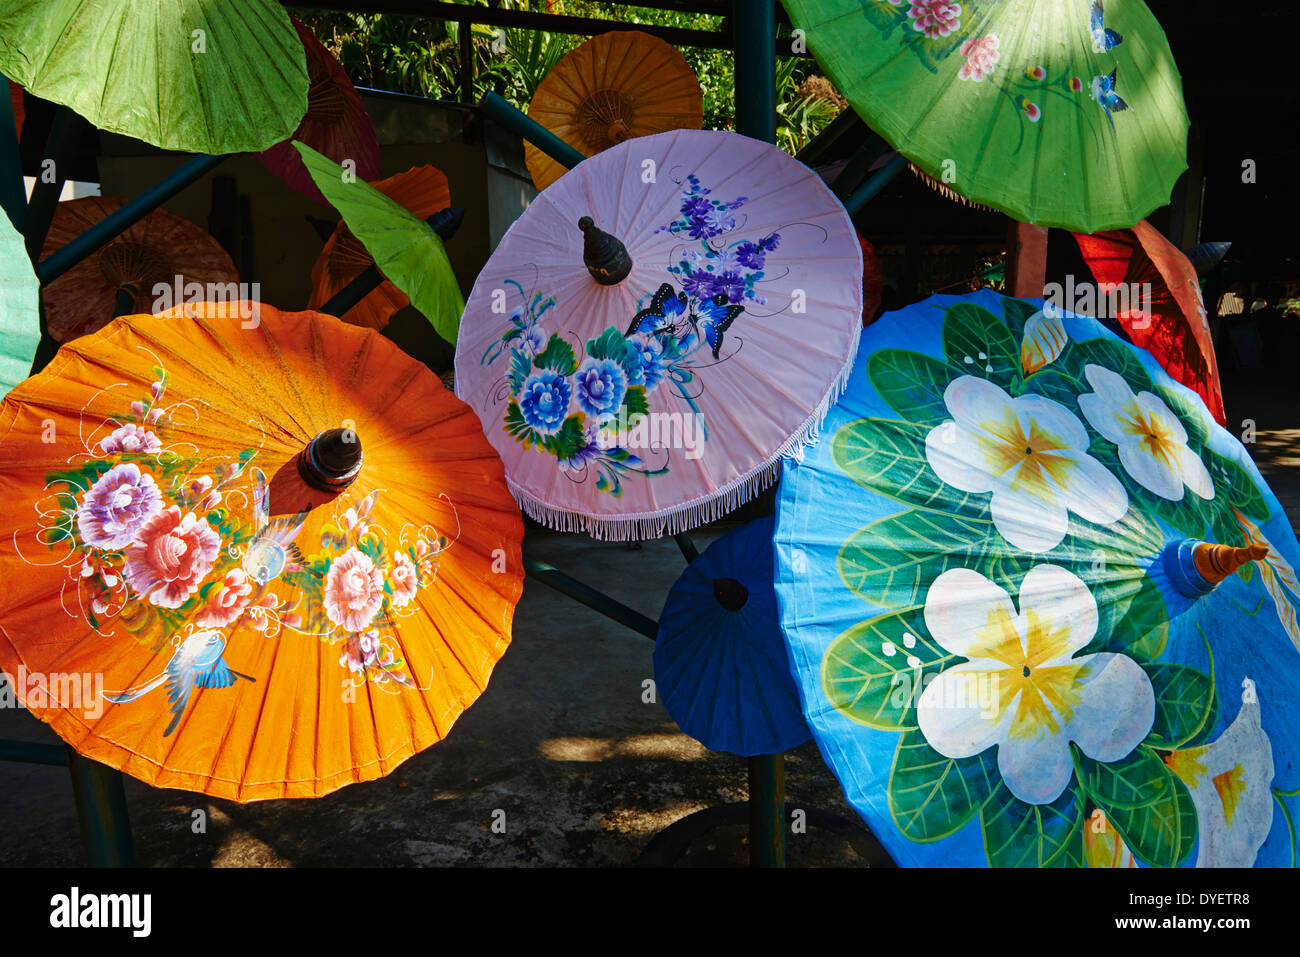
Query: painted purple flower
<point x="592" y="447"/>
<point x="544" y="401"/>
<point x="117" y="506"/>
<point x="696" y="207"/>
<point x="130" y="438"/>
<point x="651" y="370"/>
<point x="360" y="652"/>
<point x="602" y="383"/>
<point x="533" y="341"/>
<point x="753" y="255"/>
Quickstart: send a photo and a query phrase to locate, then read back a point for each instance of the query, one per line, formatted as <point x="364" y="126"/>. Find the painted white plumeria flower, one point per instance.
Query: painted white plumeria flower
<point x="1152" y="442"/>
<point x="1031" y="453"/>
<point x="1042" y="697"/>
<point x="1229" y="782"/>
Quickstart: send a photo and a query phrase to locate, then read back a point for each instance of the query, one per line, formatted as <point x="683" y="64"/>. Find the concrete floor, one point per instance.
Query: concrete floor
<point x="586" y="773"/>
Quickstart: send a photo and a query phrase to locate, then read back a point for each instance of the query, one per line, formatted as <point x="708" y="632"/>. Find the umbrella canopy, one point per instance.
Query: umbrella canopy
<point x="20" y="321"/>
<point x="146" y="269"/>
<point x="180" y="74"/>
<point x="720" y="660"/>
<point x="658" y="385"/>
<point x="265" y="556"/>
<point x="1152" y="290"/>
<point x="404" y="247"/>
<point x="1058" y="112"/>
<point x="1034" y="596"/>
<point x="423" y="191"/>
<point x="615" y="86"/>
<point x="335" y="125"/>
<point x="19" y="110"/>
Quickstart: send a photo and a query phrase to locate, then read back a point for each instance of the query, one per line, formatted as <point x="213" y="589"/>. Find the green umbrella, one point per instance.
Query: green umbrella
<point x="20" y="324"/>
<point x="404" y="247"/>
<point x="188" y="75"/>
<point x="1063" y="113"/>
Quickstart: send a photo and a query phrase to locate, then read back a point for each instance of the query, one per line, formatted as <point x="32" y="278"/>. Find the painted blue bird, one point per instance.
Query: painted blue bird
<point x="197" y="663"/>
<point x="1103" y="91"/>
<point x="1103" y="39"/>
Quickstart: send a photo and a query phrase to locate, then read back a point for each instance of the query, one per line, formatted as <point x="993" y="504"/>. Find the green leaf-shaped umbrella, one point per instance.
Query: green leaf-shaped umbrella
<point x="1058" y="112"/>
<point x="19" y="310"/>
<point x="405" y="248"/>
<point x="189" y="75"/>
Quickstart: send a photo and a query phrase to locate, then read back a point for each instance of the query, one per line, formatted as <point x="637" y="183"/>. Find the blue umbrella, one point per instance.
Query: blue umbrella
<point x="720" y="661"/>
<point x="1041" y="608"/>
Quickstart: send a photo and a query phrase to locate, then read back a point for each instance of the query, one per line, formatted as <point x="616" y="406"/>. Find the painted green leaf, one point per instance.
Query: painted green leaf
<point x="1017" y="834"/>
<point x="1146" y="803"/>
<point x="519" y="369"/>
<point x="634" y="402"/>
<point x="868" y="672"/>
<point x="1144" y="628"/>
<point x="1193" y="418"/>
<point x="567" y="442"/>
<point x="557" y="356"/>
<point x="1015" y="313"/>
<point x="894" y="560"/>
<point x="1114" y="356"/>
<point x="932" y="796"/>
<point x="1187" y="706"/>
<point x="979" y="343"/>
<point x="612" y="344"/>
<point x="1235" y="485"/>
<point x="888" y="456"/>
<point x="913" y="384"/>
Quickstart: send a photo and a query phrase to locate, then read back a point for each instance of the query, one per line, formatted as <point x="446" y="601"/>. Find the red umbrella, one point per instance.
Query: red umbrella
<point x="1172" y="326"/>
<point x="873" y="281"/>
<point x="335" y="125"/>
<point x="16" y="101"/>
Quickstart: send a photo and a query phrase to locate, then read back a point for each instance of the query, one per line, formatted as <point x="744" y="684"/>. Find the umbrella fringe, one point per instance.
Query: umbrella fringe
<point x="644" y="526"/>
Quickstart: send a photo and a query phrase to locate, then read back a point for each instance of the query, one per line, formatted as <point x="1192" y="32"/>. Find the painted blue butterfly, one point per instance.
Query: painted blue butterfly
<point x="1103" y="39"/>
<point x="272" y="550"/>
<point x="667" y="307"/>
<point x="1103" y="91"/>
<point x="715" y="317"/>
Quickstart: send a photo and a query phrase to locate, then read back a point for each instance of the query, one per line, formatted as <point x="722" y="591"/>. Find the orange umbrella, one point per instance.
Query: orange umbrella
<point x="613" y="87"/>
<point x="421" y="189"/>
<point x="162" y="248"/>
<point x="335" y="125"/>
<point x="1173" y="327"/>
<point x="266" y="554"/>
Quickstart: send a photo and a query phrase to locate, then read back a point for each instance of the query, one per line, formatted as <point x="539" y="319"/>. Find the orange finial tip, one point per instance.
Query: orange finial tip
<point x="1217" y="562"/>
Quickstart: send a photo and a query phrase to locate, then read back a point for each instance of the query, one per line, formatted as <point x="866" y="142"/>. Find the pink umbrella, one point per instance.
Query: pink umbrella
<point x="336" y="123"/>
<point x="661" y="327"/>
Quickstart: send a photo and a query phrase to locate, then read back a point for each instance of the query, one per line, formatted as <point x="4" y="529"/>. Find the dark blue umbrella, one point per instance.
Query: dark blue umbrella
<point x="720" y="660"/>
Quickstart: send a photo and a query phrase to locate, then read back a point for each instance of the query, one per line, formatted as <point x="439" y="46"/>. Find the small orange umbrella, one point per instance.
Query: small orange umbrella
<point x="266" y="555"/>
<point x="335" y="125"/>
<point x="613" y="87"/>
<point x="162" y="248"/>
<point x="1174" y="329"/>
<point x="421" y="189"/>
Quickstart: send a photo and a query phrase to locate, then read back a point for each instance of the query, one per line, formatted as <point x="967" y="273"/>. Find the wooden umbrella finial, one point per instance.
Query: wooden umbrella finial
<point x="1217" y="562"/>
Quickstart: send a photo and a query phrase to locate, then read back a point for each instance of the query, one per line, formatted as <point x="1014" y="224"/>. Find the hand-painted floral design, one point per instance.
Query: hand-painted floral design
<point x="600" y="386"/>
<point x="1031" y="453"/>
<point x="1279" y="578"/>
<point x="1229" y="782"/>
<point x="981" y="55"/>
<point x="404" y="579"/>
<point x="169" y="555"/>
<point x="229" y="602"/>
<point x="1032" y="112"/>
<point x="354" y="590"/>
<point x="130" y="438"/>
<point x="934" y="18"/>
<point x="544" y="401"/>
<point x="1151" y="440"/>
<point x="117" y="507"/>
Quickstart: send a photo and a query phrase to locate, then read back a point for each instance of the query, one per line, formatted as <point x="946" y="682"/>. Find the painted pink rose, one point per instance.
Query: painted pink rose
<point x="404" y="579"/>
<point x="354" y="590"/>
<point x="259" y="614"/>
<point x="935" y="18"/>
<point x="360" y="652"/>
<point x="130" y="438"/>
<point x="117" y="506"/>
<point x="170" y="555"/>
<point x="981" y="55"/>
<point x="228" y="602"/>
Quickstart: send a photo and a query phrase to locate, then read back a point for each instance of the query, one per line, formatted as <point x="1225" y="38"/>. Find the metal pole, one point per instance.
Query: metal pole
<point x="689" y="551"/>
<point x="767" y="810"/>
<point x="120" y="220"/>
<point x="65" y="132"/>
<point x="101" y="809"/>
<point x="586" y="595"/>
<point x="13" y="196"/>
<point x="498" y="110"/>
<point x="867" y="191"/>
<point x="465" y="30"/>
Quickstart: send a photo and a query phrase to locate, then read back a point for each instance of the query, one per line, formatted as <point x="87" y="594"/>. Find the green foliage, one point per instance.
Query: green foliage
<point x="558" y="356"/>
<point x="1145" y="801"/>
<point x="1017" y="834"/>
<point x="932" y="796"/>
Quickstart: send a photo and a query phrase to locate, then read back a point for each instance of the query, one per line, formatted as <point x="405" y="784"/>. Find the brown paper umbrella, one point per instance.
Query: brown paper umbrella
<point x="336" y="124"/>
<point x="127" y="274"/>
<point x="422" y="190"/>
<point x="613" y="87"/>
